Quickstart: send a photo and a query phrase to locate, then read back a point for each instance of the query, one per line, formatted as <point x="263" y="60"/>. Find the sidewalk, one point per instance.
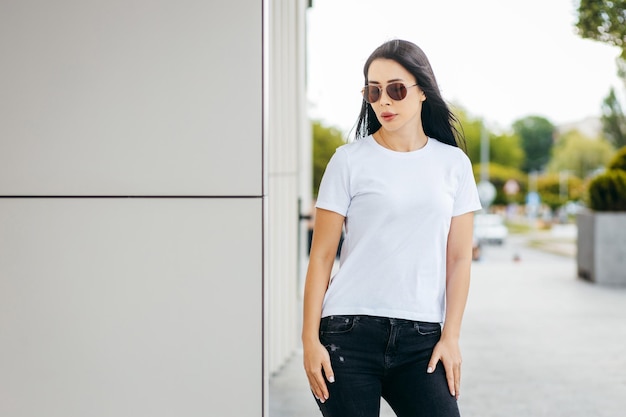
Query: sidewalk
<point x="559" y="240"/>
<point x="537" y="341"/>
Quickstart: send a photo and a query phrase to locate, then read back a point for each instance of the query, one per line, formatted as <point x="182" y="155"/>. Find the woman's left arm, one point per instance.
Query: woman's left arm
<point x="458" y="265"/>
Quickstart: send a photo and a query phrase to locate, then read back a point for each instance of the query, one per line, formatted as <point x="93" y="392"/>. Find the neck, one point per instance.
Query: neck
<point x="399" y="142"/>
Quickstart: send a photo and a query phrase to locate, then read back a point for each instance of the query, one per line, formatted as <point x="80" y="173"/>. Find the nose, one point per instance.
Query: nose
<point x="384" y="97"/>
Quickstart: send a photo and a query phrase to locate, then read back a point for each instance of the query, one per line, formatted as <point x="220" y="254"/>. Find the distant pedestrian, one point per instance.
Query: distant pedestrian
<point x="388" y="322"/>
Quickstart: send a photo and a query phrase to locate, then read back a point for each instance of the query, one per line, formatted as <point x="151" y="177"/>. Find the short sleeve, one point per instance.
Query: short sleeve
<point x="466" y="198"/>
<point x="334" y="191"/>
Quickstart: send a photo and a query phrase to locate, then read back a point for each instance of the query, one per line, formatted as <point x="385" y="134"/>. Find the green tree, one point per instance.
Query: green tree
<point x="579" y="155"/>
<point x="471" y="131"/>
<point x="325" y="141"/>
<point x="613" y="120"/>
<point x="536" y="134"/>
<point x="504" y="149"/>
<point x="604" y="21"/>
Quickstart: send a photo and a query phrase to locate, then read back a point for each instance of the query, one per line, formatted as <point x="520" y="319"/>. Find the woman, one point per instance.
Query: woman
<point x="388" y="323"/>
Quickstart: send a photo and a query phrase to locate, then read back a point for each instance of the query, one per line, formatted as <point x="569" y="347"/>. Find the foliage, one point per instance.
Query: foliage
<point x="621" y="69"/>
<point x="604" y="21"/>
<point x="619" y="160"/>
<point x="504" y="149"/>
<point x="579" y="155"/>
<point x="498" y="176"/>
<point x="471" y="130"/>
<point x="555" y="189"/>
<point x="607" y="191"/>
<point x="613" y="120"/>
<point x="325" y="141"/>
<point x="536" y="134"/>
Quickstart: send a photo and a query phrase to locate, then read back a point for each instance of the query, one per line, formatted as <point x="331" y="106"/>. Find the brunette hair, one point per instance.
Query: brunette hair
<point x="438" y="120"/>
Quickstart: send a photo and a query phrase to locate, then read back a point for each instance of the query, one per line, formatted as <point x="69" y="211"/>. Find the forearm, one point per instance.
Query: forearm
<point x="317" y="279"/>
<point x="326" y="237"/>
<point x="316" y="359"/>
<point x="458" y="265"/>
<point x="457" y="290"/>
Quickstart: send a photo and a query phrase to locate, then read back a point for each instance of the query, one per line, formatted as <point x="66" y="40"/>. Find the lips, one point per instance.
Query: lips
<point x="387" y="116"/>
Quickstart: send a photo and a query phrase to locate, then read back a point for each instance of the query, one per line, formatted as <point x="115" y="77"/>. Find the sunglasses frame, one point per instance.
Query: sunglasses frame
<point x="380" y="91"/>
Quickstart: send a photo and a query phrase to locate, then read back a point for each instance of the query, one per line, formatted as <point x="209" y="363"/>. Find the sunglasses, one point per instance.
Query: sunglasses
<point x="395" y="91"/>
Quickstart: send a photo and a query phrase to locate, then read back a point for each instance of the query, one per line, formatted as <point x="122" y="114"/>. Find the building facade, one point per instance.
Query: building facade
<point x="154" y="157"/>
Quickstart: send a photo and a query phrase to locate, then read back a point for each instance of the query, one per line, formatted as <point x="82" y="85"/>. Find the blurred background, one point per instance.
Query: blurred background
<point x="539" y="88"/>
<point x="159" y="162"/>
<point x="539" y="95"/>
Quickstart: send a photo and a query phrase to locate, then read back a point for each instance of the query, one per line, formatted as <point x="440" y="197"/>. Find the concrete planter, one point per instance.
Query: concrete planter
<point x="601" y="245"/>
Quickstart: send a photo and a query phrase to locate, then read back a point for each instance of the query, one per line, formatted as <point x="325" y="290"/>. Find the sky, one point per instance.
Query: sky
<point x="499" y="60"/>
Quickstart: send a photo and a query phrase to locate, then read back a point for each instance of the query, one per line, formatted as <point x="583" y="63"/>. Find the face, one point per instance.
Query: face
<point x="394" y="114"/>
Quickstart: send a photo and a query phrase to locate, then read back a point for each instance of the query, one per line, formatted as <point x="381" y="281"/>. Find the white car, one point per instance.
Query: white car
<point x="490" y="228"/>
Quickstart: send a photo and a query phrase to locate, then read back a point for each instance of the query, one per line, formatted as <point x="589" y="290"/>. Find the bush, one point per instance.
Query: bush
<point x="619" y="160"/>
<point x="325" y="141"/>
<point x="607" y="191"/>
<point x="549" y="188"/>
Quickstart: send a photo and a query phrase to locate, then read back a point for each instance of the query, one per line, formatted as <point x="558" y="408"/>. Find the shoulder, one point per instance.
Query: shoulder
<point x="451" y="158"/>
<point x="354" y="150"/>
<point x="356" y="145"/>
<point x="453" y="153"/>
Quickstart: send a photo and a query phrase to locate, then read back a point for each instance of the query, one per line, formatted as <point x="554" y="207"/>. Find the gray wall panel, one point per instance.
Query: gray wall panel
<point x="130" y="307"/>
<point x="130" y="97"/>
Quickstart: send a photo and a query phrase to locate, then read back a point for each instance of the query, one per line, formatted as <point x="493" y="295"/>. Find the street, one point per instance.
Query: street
<point x="537" y="341"/>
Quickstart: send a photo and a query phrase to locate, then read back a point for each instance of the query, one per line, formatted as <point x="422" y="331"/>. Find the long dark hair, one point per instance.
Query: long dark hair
<point x="437" y="119"/>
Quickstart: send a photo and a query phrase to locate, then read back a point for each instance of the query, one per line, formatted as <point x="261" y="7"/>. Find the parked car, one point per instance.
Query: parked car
<point x="490" y="229"/>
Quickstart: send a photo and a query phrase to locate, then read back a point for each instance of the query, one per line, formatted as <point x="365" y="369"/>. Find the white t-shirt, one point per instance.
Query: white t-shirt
<point x="398" y="208"/>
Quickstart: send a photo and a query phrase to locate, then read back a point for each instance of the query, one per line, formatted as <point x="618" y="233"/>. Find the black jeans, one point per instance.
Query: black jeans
<point x="374" y="357"/>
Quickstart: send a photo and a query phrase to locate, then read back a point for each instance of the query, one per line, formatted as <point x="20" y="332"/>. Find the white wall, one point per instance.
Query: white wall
<point x="289" y="165"/>
<point x="130" y="307"/>
<point x="149" y="181"/>
<point x="131" y="97"/>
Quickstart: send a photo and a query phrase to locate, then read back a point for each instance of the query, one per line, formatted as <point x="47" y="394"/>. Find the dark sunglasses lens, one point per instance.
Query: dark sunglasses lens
<point x="397" y="91"/>
<point x="371" y="94"/>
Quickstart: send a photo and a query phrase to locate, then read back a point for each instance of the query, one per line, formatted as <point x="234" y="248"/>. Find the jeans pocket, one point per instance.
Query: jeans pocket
<point x="336" y="325"/>
<point x="426" y="328"/>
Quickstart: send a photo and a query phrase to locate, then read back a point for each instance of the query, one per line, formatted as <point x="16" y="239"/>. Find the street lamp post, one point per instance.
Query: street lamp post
<point x="486" y="190"/>
<point x="563" y="186"/>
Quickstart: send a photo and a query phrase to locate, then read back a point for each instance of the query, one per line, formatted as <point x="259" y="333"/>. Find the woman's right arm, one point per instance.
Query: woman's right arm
<point x="326" y="236"/>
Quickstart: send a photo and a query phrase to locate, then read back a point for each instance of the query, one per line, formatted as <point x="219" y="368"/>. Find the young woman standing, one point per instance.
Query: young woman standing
<point x="388" y="322"/>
